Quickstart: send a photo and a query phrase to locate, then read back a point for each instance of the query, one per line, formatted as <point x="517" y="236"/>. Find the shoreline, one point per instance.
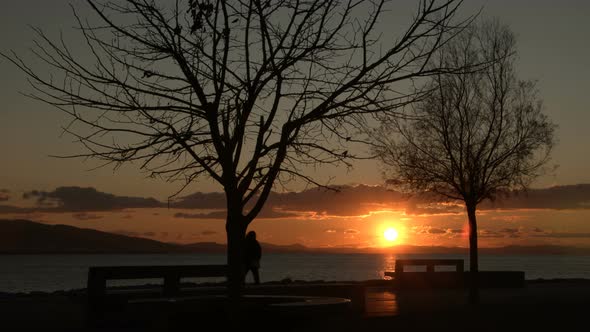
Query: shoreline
<point x="543" y="304"/>
<point x="286" y="283"/>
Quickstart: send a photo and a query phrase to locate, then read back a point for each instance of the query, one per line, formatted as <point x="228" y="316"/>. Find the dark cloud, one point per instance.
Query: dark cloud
<point x="208" y="232"/>
<point x="455" y="231"/>
<point x="4" y="195"/>
<point x="209" y="215"/>
<point x="502" y="233"/>
<point x="73" y="199"/>
<point x="266" y="213"/>
<point x="559" y="197"/>
<point x="564" y="235"/>
<point x="149" y="234"/>
<point x="341" y="230"/>
<point x="199" y="200"/>
<point x="416" y="207"/>
<point x="486" y="233"/>
<point x="511" y="232"/>
<point x="421" y="229"/>
<point x="347" y="201"/>
<point x="343" y="201"/>
<point x="437" y="231"/>
<point x="86" y="216"/>
<point x="15" y="209"/>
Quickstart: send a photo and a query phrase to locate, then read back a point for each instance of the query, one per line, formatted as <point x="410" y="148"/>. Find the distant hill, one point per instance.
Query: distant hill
<point x="204" y="247"/>
<point x="24" y="236"/>
<point x="28" y="237"/>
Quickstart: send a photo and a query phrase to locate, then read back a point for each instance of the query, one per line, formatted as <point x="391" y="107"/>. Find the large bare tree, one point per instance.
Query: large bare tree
<point x="478" y="133"/>
<point x="245" y="92"/>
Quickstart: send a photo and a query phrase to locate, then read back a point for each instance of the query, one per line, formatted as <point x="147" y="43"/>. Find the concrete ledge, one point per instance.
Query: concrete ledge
<point x="487" y="279"/>
<point x="355" y="292"/>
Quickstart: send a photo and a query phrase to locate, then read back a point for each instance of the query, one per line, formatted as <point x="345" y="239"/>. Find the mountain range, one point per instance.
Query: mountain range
<point x="28" y="237"/>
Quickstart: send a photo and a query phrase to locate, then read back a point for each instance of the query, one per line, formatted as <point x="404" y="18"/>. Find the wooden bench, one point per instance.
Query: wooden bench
<point x="431" y="278"/>
<point x="99" y="298"/>
<point x="429" y="263"/>
<point x="451" y="279"/>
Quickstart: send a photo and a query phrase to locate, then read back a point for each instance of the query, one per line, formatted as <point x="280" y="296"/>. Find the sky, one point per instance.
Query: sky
<point x="553" y="50"/>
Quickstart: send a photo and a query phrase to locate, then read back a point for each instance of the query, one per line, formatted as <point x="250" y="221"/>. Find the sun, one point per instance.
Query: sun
<point x="390" y="234"/>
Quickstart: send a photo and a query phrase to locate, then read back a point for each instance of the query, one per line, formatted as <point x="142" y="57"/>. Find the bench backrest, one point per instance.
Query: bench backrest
<point x="98" y="276"/>
<point x="430" y="264"/>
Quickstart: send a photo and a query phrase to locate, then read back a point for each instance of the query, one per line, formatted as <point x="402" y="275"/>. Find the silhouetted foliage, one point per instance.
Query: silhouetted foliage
<point x="478" y="133"/>
<point x="247" y="93"/>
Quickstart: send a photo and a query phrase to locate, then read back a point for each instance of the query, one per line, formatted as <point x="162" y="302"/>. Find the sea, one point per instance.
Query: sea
<point x="49" y="273"/>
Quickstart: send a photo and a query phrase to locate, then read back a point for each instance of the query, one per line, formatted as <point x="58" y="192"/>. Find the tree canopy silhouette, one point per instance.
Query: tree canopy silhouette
<point x="247" y="93"/>
<point x="479" y="133"/>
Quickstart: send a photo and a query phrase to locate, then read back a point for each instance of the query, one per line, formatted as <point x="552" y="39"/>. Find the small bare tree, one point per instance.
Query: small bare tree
<point x="479" y="133"/>
<point x="245" y="92"/>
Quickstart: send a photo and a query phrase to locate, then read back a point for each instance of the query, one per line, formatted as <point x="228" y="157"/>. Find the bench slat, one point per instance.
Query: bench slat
<point x="430" y="263"/>
<point x="144" y="272"/>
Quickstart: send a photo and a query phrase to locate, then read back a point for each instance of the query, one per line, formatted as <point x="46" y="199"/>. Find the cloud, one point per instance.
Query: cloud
<point x="422" y="229"/>
<point x="437" y="231"/>
<point x="208" y="232"/>
<point x="15" y="209"/>
<point x="510" y="230"/>
<point x="563" y="235"/>
<point x="341" y="230"/>
<point x="455" y="231"/>
<point x="74" y="199"/>
<point x="486" y="233"/>
<point x="346" y="201"/>
<point x="199" y="200"/>
<point x="266" y="213"/>
<point x="86" y="216"/>
<point x="559" y="198"/>
<point x="502" y="233"/>
<point x="417" y="207"/>
<point x="4" y="195"/>
<point x="210" y="215"/>
<point x="316" y="203"/>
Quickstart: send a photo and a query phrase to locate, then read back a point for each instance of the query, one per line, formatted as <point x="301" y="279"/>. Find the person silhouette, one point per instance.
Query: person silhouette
<point x="253" y="253"/>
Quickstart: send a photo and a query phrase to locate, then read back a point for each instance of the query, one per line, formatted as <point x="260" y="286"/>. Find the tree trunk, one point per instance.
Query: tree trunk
<point x="473" y="255"/>
<point x="236" y="231"/>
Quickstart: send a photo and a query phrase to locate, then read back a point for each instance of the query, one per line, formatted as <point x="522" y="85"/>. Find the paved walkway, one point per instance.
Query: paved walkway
<point x="384" y="302"/>
<point x="381" y="302"/>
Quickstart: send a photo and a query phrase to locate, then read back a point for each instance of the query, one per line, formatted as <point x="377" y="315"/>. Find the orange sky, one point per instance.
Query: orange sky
<point x="357" y="216"/>
<point x="552" y="49"/>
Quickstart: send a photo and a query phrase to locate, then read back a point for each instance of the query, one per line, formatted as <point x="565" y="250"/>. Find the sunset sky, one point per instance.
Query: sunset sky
<point x="553" y="49"/>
